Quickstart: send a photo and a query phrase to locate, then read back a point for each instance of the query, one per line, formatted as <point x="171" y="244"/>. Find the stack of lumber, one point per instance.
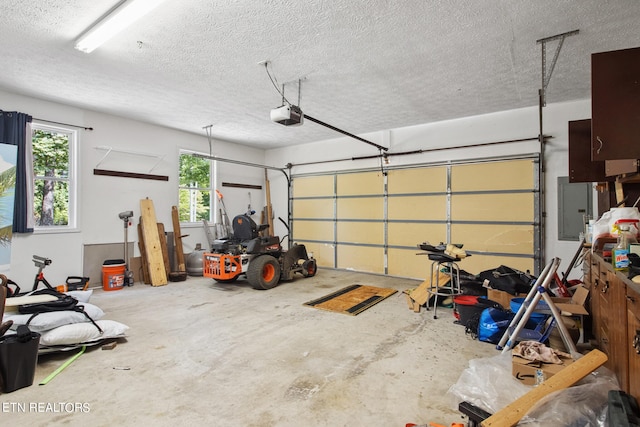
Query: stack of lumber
<point x="152" y="243"/>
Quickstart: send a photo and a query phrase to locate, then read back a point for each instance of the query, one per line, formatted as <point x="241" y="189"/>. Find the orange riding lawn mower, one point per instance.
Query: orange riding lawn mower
<point x="260" y="258"/>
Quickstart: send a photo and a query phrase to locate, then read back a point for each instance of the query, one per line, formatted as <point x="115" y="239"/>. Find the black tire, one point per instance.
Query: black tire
<point x="263" y="272"/>
<point x="309" y="268"/>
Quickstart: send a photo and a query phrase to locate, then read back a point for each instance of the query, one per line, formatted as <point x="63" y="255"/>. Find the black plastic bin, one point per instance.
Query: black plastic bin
<point x="469" y="308"/>
<point x="18" y="359"/>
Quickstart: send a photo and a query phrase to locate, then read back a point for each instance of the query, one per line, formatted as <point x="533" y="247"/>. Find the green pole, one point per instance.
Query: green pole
<point x="61" y="368"/>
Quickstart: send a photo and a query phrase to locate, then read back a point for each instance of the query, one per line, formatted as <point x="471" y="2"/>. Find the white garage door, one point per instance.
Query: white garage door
<point x="372" y="222"/>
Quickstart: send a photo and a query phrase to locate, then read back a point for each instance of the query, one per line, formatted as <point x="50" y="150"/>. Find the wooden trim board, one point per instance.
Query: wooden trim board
<point x="177" y="237"/>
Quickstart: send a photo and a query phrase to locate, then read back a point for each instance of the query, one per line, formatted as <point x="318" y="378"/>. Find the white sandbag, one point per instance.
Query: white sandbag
<point x="46" y="321"/>
<point x="79" y="333"/>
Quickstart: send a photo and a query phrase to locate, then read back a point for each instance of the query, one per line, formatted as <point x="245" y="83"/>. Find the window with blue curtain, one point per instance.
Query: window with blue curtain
<point x="15" y="129"/>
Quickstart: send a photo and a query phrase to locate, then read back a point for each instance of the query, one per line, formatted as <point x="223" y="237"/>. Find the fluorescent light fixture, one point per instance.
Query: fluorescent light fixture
<point x="117" y="19"/>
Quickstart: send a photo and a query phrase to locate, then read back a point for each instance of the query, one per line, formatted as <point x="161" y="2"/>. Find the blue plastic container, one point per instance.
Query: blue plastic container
<point x="516" y="303"/>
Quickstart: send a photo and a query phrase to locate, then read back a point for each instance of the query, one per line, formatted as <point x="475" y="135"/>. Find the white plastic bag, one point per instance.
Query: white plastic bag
<point x="604" y="227"/>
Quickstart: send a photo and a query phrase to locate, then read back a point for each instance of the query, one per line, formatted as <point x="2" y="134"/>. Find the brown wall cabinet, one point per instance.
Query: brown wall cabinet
<point x="581" y="167"/>
<point x="615" y="104"/>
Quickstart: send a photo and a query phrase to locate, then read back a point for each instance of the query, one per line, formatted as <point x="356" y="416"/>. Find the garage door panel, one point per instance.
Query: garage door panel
<point x="513" y="239"/>
<point x="493" y="207"/>
<point x="413" y="234"/>
<point x="405" y="263"/>
<point x="499" y="175"/>
<point x="418" y="207"/>
<point x="313" y="230"/>
<point x="478" y="263"/>
<point x="313" y="186"/>
<point x="360" y="208"/>
<point x="313" y="208"/>
<point x="357" y="184"/>
<point x="361" y="258"/>
<point x="419" y="180"/>
<point x="361" y="232"/>
<point x="322" y="253"/>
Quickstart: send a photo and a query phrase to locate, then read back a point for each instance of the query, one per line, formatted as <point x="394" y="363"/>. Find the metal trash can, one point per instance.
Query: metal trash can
<point x="18" y="359"/>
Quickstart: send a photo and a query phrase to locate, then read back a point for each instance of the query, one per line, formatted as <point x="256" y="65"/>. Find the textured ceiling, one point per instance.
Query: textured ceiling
<point x="365" y="65"/>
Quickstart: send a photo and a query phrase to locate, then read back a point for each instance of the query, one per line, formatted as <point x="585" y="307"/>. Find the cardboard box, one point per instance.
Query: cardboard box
<point x="573" y="306"/>
<point x="503" y="298"/>
<point x="533" y="373"/>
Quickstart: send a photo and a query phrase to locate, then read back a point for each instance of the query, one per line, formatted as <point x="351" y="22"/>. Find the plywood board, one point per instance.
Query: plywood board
<point x="504" y="175"/>
<point x="351" y="300"/>
<point x="418" y="180"/>
<point x="361" y="232"/>
<point x="313" y="208"/>
<point x="492" y="207"/>
<point x="357" y="184"/>
<point x="313" y="186"/>
<point x="313" y="230"/>
<point x="412" y="234"/>
<point x="152" y="245"/>
<point x="361" y="258"/>
<point x="361" y="208"/>
<point x="417" y="207"/>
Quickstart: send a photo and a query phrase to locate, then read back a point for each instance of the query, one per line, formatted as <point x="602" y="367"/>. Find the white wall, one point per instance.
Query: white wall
<point x="101" y="198"/>
<point x="509" y="125"/>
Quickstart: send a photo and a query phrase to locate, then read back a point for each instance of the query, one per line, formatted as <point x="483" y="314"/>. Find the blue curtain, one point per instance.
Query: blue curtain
<point x="13" y="131"/>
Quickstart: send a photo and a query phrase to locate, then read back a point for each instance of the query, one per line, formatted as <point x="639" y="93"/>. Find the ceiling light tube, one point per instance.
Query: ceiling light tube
<point x="116" y="20"/>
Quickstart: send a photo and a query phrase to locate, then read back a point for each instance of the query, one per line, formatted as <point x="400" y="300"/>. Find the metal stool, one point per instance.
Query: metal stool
<point x="449" y="289"/>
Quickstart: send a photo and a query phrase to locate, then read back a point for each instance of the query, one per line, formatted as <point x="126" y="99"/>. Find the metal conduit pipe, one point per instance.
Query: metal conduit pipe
<point x="419" y="151"/>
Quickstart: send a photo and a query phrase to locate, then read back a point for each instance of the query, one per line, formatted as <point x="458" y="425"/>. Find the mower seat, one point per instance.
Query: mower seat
<point x="246" y="232"/>
<point x="244" y="228"/>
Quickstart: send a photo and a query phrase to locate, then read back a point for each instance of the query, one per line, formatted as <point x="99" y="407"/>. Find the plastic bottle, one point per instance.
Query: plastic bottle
<point x="620" y="253"/>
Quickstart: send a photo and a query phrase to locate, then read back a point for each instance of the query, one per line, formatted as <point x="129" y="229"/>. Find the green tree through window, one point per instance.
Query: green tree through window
<point x="51" y="169"/>
<point x="195" y="189"/>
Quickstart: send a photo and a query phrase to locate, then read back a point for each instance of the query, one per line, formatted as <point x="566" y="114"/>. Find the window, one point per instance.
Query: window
<point x="54" y="186"/>
<point x="195" y="188"/>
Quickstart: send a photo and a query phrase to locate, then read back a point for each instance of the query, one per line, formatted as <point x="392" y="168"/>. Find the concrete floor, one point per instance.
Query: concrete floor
<point x="203" y="353"/>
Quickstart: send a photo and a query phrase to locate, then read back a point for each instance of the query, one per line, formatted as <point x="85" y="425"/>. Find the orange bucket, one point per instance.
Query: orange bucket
<point x="113" y="274"/>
